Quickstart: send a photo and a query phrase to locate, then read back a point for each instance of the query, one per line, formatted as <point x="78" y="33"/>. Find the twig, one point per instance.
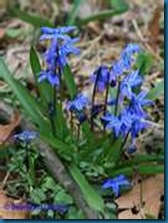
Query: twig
<point x="5" y="180"/>
<point x="139" y="34"/>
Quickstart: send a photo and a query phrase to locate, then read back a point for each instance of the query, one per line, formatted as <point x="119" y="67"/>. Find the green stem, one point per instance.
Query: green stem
<point x="93" y="99"/>
<point x="107" y="92"/>
<point x="118" y="94"/>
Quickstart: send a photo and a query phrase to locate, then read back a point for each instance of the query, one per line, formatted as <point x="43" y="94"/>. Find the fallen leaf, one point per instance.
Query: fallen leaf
<point x="6" y="130"/>
<point x="153" y="28"/>
<point x="11" y="208"/>
<point x="94" y="27"/>
<point x="151" y="189"/>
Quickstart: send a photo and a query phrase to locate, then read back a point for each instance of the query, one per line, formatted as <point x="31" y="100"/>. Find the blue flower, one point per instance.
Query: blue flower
<point x="137" y="103"/>
<point x="51" y="55"/>
<point x="65" y="50"/>
<point x="116" y="183"/>
<point x="59" y="33"/>
<point x="130" y="81"/>
<point x="131" y="49"/>
<point x="124" y="63"/>
<point x="117" y="70"/>
<point x="82" y="117"/>
<point x="26" y="136"/>
<point x="56" y="55"/>
<point x="51" y="77"/>
<point x="101" y="78"/>
<point x="119" y="125"/>
<point x="137" y="126"/>
<point x="78" y="104"/>
<point x="128" y="55"/>
<point x="113" y="123"/>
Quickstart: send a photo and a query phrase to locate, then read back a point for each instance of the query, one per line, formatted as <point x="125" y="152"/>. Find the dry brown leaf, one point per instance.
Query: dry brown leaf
<point x="153" y="28"/>
<point x="2" y="33"/>
<point x="152" y="188"/>
<point x="6" y="211"/>
<point x="6" y="130"/>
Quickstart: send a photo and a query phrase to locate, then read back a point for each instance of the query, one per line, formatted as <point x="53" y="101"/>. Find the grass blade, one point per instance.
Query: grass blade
<point x="93" y="199"/>
<point x="70" y="82"/>
<point x="29" y="103"/>
<point x="73" y="12"/>
<point x="99" y="16"/>
<point x="141" y="169"/>
<point x="44" y="88"/>
<point x="36" y="21"/>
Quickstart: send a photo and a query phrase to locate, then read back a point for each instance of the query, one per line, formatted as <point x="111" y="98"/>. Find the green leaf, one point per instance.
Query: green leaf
<point x="62" y="198"/>
<point x="99" y="16"/>
<point x="93" y="199"/>
<point x="44" y="88"/>
<point x="35" y="63"/>
<point x="63" y="149"/>
<point x="142" y="159"/>
<point x="114" y="151"/>
<point x="146" y="169"/>
<point x="70" y="81"/>
<point x="119" y="5"/>
<point x="46" y="94"/>
<point x="36" y="21"/>
<point x="157" y="91"/>
<point x="73" y="12"/>
<point x="29" y="103"/>
<point x="144" y="62"/>
<point x="62" y="130"/>
<point x="37" y="195"/>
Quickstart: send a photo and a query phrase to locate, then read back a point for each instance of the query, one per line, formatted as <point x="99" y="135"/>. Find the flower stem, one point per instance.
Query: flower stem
<point x="117" y="101"/>
<point x="93" y="99"/>
<point x="124" y="142"/>
<point x="52" y="111"/>
<point x="107" y="92"/>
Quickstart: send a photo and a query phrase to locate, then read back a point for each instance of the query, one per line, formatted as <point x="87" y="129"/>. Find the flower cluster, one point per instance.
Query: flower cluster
<point x="56" y="55"/>
<point x="129" y="117"/>
<point x="103" y="76"/>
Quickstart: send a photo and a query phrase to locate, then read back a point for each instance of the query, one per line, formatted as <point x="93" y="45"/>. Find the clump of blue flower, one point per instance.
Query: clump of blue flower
<point x="123" y="77"/>
<point x="123" y="113"/>
<point x="61" y="45"/>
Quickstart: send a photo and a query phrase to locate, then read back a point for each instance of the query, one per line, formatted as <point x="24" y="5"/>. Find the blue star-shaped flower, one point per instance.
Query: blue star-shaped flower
<point x="116" y="183"/>
<point x="113" y="123"/>
<point x="138" y="102"/>
<point x="65" y="50"/>
<point x="26" y="136"/>
<point x="130" y="81"/>
<point x="60" y="32"/>
<point x="51" y="77"/>
<point x="137" y="126"/>
<point x="128" y="55"/>
<point x="78" y="104"/>
<point x="119" y="125"/>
